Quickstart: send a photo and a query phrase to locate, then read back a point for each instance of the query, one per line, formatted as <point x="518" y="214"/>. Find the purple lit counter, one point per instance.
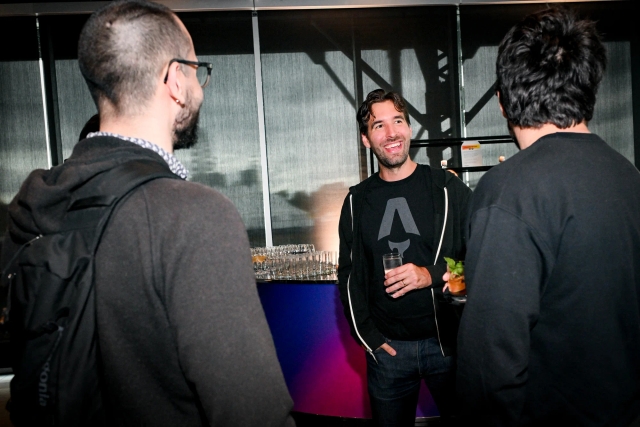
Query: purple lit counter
<point x="323" y="366"/>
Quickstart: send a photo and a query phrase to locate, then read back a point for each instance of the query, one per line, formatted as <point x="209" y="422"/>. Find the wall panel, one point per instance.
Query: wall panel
<point x="309" y="99"/>
<point x="613" y="118"/>
<point x="317" y="65"/>
<point x="23" y="144"/>
<point x="227" y="156"/>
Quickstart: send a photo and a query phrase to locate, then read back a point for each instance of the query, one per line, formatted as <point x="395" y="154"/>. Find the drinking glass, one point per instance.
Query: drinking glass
<point x="391" y="261"/>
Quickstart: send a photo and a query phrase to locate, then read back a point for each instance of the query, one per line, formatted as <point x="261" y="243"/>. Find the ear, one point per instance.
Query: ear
<point x="365" y="140"/>
<point x="175" y="82"/>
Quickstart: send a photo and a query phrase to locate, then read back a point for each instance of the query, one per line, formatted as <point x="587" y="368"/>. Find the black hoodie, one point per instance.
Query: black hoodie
<point x="353" y="271"/>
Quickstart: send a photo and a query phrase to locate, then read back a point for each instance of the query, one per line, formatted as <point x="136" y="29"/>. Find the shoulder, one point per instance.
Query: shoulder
<point x="358" y="191"/>
<point x="197" y="198"/>
<point x="188" y="207"/>
<point x="527" y="182"/>
<point x="442" y="178"/>
<point x="188" y="193"/>
<point x="358" y="188"/>
<point x="497" y="183"/>
<point x="439" y="177"/>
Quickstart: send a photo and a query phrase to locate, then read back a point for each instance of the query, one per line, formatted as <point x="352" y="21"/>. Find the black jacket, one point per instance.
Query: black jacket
<point x="353" y="269"/>
<point x="551" y="329"/>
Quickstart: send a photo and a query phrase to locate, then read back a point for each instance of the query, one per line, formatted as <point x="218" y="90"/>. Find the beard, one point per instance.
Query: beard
<point x="185" y="130"/>
<point x="394" y="162"/>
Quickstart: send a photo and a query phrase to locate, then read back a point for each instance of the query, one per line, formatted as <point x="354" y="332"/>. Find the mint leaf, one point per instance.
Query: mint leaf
<point x="450" y="262"/>
<point x="455" y="267"/>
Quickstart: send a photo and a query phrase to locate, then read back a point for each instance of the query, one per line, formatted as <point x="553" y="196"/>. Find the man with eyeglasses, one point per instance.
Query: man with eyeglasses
<point x="183" y="340"/>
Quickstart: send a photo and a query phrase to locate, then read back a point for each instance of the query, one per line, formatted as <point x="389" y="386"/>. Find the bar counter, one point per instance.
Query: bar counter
<point x="325" y="369"/>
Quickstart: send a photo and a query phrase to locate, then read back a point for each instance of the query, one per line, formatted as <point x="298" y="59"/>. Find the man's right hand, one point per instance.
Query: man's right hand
<point x="386" y="347"/>
<point x="445" y="277"/>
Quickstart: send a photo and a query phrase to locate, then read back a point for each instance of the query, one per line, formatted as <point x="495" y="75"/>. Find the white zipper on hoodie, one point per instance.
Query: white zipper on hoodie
<point x="353" y="319"/>
<point x="433" y="296"/>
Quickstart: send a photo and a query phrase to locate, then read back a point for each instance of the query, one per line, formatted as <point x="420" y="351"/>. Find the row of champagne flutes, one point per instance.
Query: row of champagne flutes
<point x="293" y="262"/>
<point x="281" y="250"/>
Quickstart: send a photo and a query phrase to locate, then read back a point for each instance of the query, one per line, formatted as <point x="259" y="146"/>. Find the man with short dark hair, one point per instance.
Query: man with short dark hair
<point x="418" y="212"/>
<point x="551" y="330"/>
<point x="183" y="339"/>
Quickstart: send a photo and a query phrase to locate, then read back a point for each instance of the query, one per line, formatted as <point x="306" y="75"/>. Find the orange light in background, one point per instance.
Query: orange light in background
<point x="326" y="204"/>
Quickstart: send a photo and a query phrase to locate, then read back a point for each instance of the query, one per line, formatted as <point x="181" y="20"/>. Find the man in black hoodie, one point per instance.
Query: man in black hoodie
<point x="396" y="317"/>
<point x="551" y="329"/>
<point x="183" y="339"/>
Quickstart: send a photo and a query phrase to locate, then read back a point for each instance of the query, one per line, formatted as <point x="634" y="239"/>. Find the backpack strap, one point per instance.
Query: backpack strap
<point x="92" y="204"/>
<point x="110" y="186"/>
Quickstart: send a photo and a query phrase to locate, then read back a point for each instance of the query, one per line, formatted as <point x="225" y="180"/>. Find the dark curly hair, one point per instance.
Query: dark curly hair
<point x="549" y="67"/>
<point x="375" y="96"/>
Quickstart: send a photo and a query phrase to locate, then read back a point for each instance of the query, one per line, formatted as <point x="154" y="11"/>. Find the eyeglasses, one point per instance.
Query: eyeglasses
<point x="203" y="70"/>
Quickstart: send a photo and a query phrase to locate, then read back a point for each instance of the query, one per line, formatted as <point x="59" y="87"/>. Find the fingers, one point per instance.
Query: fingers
<point x="445" y="277"/>
<point x="405" y="278"/>
<point x="401" y="292"/>
<point x="397" y="274"/>
<point x="394" y="280"/>
<point x="400" y="288"/>
<point x="398" y="270"/>
<point x="386" y="347"/>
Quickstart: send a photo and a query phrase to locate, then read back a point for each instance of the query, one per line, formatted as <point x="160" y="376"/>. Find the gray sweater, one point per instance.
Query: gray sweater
<point x="182" y="334"/>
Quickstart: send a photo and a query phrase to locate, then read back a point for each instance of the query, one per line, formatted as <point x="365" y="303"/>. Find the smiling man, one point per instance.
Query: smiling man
<point x="419" y="213"/>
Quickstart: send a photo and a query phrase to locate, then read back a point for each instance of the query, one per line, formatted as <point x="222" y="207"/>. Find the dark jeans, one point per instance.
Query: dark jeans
<point x="394" y="381"/>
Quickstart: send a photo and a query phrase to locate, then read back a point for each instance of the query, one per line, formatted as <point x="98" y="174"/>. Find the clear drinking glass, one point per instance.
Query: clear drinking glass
<point x="391" y="261"/>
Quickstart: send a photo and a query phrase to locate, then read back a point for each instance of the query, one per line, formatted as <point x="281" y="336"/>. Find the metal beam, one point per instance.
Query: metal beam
<point x="70" y="8"/>
<point x="262" y="134"/>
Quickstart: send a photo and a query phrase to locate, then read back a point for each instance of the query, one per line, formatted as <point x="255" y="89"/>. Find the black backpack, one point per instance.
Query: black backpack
<point x="51" y="313"/>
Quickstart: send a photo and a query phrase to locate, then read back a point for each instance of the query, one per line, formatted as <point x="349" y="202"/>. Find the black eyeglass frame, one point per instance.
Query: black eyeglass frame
<point x="196" y="64"/>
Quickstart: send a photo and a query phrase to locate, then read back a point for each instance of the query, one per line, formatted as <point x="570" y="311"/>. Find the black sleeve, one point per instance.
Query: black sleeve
<point x="352" y="291"/>
<point x="504" y="268"/>
<point x="346" y="239"/>
<point x="462" y="218"/>
<point x="458" y="208"/>
<point x="8" y="249"/>
<point x="437" y="271"/>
